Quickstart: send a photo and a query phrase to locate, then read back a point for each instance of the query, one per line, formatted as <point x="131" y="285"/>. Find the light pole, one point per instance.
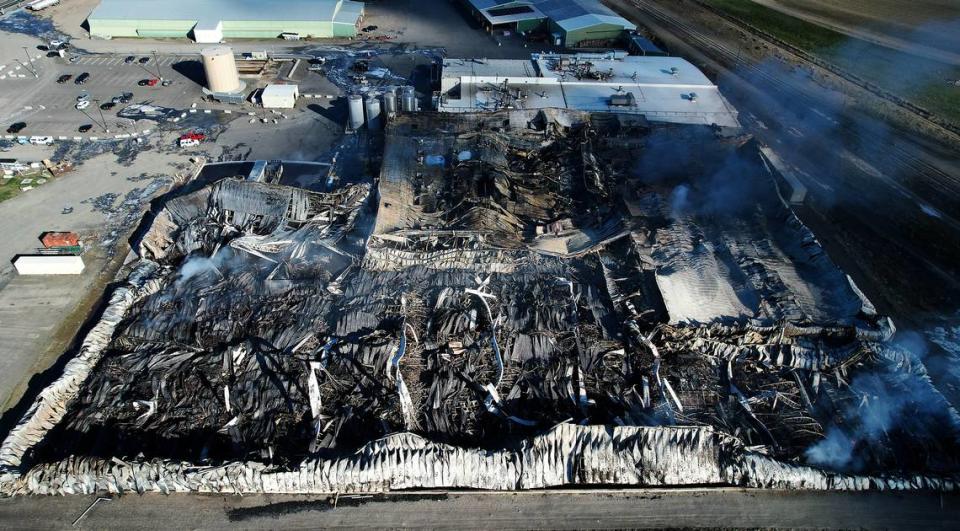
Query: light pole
<point x="102" y="119"/>
<point x="28" y="64"/>
<point x="157" y="61"/>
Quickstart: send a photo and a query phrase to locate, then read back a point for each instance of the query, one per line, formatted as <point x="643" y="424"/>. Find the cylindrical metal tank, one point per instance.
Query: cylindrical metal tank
<point x="355" y="107"/>
<point x="390" y="103"/>
<point x="408" y="100"/>
<point x="373" y="111"/>
<point x="221" y="69"/>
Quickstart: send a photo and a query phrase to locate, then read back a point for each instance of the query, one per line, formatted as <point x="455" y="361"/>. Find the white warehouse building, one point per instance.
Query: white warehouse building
<point x="279" y="96"/>
<point x="662" y="89"/>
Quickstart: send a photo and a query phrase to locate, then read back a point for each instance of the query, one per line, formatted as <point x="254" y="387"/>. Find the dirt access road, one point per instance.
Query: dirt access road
<point x="665" y="508"/>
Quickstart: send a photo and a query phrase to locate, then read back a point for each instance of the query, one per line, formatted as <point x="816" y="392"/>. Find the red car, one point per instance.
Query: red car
<point x="192" y="139"/>
<point x="148" y="82"/>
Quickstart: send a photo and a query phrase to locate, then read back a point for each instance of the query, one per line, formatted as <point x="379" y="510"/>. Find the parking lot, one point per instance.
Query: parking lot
<point x="48" y="107"/>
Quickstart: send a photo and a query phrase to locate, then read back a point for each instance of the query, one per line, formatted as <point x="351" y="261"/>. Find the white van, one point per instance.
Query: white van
<point x="41" y="140"/>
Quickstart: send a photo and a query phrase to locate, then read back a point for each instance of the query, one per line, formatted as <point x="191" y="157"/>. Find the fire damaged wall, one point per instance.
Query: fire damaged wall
<point x="526" y="300"/>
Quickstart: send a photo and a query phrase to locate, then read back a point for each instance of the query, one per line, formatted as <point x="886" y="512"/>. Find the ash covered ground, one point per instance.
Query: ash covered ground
<point x="506" y="273"/>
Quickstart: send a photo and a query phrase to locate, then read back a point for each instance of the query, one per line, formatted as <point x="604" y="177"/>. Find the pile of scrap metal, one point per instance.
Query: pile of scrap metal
<point x="543" y="299"/>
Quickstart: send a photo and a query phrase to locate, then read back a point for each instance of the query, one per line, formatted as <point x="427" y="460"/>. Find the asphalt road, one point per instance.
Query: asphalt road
<point x="683" y="508"/>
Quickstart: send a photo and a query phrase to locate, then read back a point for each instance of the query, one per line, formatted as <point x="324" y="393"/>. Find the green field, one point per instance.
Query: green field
<point x="924" y="82"/>
<point x="11" y="187"/>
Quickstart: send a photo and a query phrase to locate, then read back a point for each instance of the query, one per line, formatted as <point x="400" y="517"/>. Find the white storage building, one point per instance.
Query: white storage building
<point x="279" y="96"/>
<point x="49" y="265"/>
<point x="663" y="89"/>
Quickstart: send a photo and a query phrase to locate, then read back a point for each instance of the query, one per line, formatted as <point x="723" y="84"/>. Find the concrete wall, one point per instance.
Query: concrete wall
<point x="106" y="28"/>
<point x="242" y="29"/>
<point x="528" y="25"/>
<point x="271" y="29"/>
<point x="597" y="31"/>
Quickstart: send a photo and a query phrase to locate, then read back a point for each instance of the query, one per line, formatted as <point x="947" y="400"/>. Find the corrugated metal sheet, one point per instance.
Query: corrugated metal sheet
<point x="568" y="14"/>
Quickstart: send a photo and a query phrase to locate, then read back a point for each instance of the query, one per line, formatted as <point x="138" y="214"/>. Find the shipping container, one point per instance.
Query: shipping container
<point x="49" y="265"/>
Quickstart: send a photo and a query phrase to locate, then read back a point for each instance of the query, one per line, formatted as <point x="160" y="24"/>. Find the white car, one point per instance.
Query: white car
<point x="56" y="44"/>
<point x="82" y="104"/>
<point x="41" y="140"/>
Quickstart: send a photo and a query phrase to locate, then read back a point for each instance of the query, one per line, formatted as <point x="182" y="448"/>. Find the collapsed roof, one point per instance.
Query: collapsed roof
<point x="530" y="299"/>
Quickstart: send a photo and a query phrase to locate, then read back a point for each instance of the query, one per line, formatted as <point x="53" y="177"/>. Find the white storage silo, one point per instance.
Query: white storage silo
<point x="408" y="100"/>
<point x="355" y="108"/>
<point x="373" y="111"/>
<point x="220" y="69"/>
<point x="390" y="103"/>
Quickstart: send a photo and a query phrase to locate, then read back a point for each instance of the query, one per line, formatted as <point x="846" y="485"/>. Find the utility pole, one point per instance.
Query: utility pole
<point x="29" y="65"/>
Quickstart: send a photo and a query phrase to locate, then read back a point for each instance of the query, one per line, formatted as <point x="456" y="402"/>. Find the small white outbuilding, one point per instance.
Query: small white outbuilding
<point x="49" y="265"/>
<point x="279" y="96"/>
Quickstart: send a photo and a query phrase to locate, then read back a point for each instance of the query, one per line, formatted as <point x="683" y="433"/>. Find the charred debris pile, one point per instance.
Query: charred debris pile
<point x="506" y="274"/>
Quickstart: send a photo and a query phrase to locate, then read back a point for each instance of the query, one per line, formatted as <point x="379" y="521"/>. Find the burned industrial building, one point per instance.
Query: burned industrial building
<point x="521" y="299"/>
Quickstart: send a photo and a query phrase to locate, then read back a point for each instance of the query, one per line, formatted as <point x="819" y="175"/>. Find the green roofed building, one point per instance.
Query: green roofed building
<point x="571" y="23"/>
<point x="210" y="21"/>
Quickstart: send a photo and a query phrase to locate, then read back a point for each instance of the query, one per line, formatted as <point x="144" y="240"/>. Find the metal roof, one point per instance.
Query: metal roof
<point x="661" y="87"/>
<point x="589" y="20"/>
<point x="226" y="10"/>
<point x="568" y="14"/>
<point x="280" y="91"/>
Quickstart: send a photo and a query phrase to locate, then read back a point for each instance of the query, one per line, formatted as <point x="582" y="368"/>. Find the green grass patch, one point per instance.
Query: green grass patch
<point x="10" y="188"/>
<point x="943" y="98"/>
<point x="790" y="29"/>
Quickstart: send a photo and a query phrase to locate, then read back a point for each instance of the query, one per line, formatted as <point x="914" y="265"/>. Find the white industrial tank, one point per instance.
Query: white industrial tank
<point x="373" y="111"/>
<point x="390" y="103"/>
<point x="408" y="102"/>
<point x="220" y="69"/>
<point x="355" y="107"/>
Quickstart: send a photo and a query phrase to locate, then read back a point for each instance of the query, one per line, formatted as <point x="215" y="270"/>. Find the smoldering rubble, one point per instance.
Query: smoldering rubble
<point x="520" y="300"/>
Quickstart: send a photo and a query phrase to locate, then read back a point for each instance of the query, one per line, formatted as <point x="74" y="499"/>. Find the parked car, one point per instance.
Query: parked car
<point x="143" y="60"/>
<point x="166" y="82"/>
<point x="369" y="29"/>
<point x="81" y="105"/>
<point x="129" y="59"/>
<point x="82" y="78"/>
<point x="16" y="128"/>
<point x="64" y="78"/>
<point x="83" y="97"/>
<point x="85" y="128"/>
<point x="192" y="139"/>
<point x="56" y="44"/>
<point x="107" y="106"/>
<point x="148" y="82"/>
<point x="125" y="97"/>
<point x="41" y="140"/>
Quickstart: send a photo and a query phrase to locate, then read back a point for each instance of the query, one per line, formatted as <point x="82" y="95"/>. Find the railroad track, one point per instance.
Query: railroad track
<point x="938" y="181"/>
<point x="4" y="4"/>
